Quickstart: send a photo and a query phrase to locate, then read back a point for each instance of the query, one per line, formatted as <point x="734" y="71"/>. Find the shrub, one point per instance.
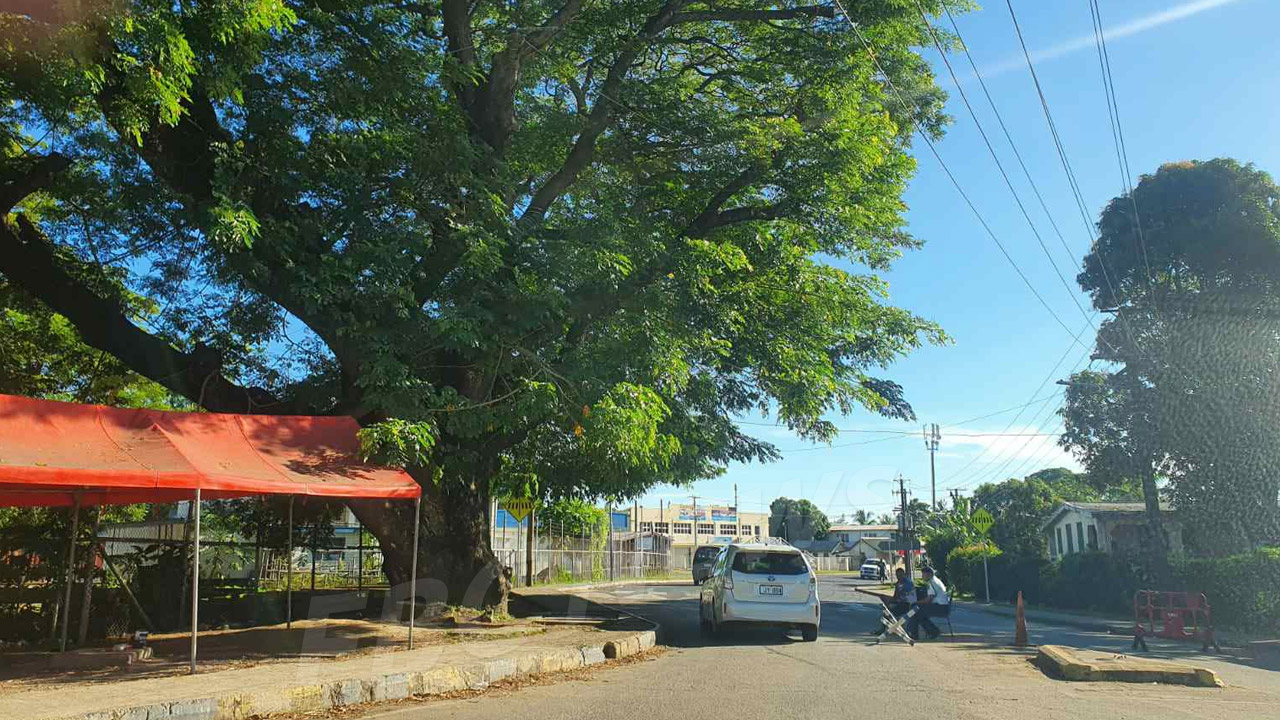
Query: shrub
<point x="964" y="568"/>
<point x="1094" y="581"/>
<point x="1243" y="590"/>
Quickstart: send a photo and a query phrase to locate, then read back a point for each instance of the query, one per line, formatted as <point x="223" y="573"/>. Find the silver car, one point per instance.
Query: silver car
<point x="703" y="558"/>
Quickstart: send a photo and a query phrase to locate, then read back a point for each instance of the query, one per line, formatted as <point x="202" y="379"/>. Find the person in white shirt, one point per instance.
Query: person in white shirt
<point x="936" y="603"/>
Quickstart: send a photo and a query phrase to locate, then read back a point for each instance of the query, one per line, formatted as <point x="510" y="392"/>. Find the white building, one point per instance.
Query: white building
<point x="1076" y="527"/>
<point x="851" y="534"/>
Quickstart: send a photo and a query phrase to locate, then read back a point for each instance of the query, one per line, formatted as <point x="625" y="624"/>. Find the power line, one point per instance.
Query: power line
<point x="1012" y="453"/>
<point x="964" y="97"/>
<point x="947" y="170"/>
<point x="1117" y="129"/>
<point x="1008" y="427"/>
<point x="1081" y="206"/>
<point x="1001" y="412"/>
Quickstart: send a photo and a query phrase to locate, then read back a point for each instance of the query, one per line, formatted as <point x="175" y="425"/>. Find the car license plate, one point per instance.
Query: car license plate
<point x="770" y="589"/>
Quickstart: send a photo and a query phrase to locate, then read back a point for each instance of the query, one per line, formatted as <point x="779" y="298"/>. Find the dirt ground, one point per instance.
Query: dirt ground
<point x="307" y="640"/>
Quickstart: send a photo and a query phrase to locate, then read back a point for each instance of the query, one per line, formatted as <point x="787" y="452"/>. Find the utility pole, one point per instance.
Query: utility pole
<point x="694" y="549"/>
<point x="905" y="530"/>
<point x="737" y="515"/>
<point x="931" y="438"/>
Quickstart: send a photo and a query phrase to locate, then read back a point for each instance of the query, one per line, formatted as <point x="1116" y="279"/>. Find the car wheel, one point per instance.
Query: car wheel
<point x="809" y="633"/>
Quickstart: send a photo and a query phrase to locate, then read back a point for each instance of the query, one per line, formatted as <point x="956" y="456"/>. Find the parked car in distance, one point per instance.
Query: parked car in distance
<point x="703" y="558"/>
<point x="761" y="583"/>
<point x="874" y="569"/>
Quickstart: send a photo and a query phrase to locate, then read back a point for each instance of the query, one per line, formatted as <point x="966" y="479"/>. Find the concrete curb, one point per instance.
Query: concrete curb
<point x="1061" y="662"/>
<point x="1036" y="616"/>
<point x="378" y="688"/>
<point x="602" y="585"/>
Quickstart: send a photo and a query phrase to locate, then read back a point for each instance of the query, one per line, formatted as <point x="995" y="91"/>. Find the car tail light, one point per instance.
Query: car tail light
<point x="728" y="581"/>
<point x="813" y="584"/>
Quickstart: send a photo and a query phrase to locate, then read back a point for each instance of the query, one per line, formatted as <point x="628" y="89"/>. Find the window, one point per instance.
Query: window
<point x="1057" y="533"/>
<point x="1053" y="545"/>
<point x="1079" y="535"/>
<point x="1093" y="538"/>
<point x="1071" y="544"/>
<point x="662" y="527"/>
<point x="644" y="527"/>
<point x="757" y="530"/>
<point x="706" y="529"/>
<point x="770" y="563"/>
<point x="683" y="528"/>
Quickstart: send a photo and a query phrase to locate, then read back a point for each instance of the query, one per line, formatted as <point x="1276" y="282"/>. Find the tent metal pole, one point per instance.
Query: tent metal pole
<point x="288" y="602"/>
<point x="71" y="564"/>
<point x="413" y="568"/>
<point x="195" y="581"/>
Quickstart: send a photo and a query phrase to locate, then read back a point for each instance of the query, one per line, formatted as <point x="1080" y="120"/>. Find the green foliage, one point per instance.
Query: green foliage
<point x="964" y="570"/>
<point x="397" y="442"/>
<point x="1194" y="336"/>
<point x="1019" y="507"/>
<point x="361" y="216"/>
<point x="1243" y="590"/>
<point x="797" y="520"/>
<point x="574" y="518"/>
<point x="42" y="355"/>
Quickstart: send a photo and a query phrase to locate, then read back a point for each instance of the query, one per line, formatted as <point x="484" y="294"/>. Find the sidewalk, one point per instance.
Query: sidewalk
<point x="1092" y="623"/>
<point x="311" y="685"/>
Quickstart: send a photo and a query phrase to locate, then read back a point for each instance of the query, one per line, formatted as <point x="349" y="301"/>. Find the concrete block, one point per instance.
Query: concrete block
<point x="268" y="702"/>
<point x="235" y="707"/>
<point x="592" y="655"/>
<point x="476" y="675"/>
<point x="647" y="640"/>
<point x="501" y="668"/>
<point x="1065" y="663"/>
<point x="442" y="680"/>
<point x="346" y="692"/>
<point x="391" y="687"/>
<point x="201" y="709"/>
<point x="306" y="698"/>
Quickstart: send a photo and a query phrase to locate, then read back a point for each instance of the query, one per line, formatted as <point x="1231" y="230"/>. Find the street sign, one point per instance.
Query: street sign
<point x="982" y="521"/>
<point x="518" y="508"/>
<point x="900" y="545"/>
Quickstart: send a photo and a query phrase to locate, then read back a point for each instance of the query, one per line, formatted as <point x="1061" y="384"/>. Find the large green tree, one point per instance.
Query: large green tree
<point x="1019" y="507"/>
<point x="1188" y="268"/>
<point x="797" y="520"/>
<point x="546" y="247"/>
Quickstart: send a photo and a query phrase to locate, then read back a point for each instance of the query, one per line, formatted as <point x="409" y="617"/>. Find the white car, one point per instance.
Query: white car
<point x="761" y="583"/>
<point x="873" y="570"/>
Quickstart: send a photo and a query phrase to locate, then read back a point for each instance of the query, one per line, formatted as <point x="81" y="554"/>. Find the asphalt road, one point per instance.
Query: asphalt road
<point x="767" y="673"/>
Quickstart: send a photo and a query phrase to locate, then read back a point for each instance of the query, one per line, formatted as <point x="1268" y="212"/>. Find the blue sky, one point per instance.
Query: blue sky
<point x="1194" y="80"/>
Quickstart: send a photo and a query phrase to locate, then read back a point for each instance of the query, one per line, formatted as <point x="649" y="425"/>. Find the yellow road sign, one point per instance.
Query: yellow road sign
<point x="518" y="508"/>
<point x="982" y="520"/>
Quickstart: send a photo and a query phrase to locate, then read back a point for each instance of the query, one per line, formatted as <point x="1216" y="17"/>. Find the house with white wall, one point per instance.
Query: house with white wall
<point x="1076" y="527"/>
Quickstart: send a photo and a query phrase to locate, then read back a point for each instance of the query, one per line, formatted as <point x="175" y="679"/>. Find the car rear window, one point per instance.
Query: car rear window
<point x="770" y="563"/>
<point x="706" y="553"/>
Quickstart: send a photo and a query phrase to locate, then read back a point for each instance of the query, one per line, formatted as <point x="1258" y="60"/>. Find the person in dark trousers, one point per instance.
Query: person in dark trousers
<point x="904" y="596"/>
<point x="935" y="603"/>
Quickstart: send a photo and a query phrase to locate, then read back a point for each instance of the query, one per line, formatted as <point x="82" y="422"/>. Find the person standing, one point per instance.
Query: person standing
<point x="935" y="603"/>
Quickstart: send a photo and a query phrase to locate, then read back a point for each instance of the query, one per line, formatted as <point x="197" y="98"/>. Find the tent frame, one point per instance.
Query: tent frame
<point x="195" y="572"/>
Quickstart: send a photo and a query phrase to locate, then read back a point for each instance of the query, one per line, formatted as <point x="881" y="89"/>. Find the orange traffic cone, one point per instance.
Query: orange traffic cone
<point x="1020" y="633"/>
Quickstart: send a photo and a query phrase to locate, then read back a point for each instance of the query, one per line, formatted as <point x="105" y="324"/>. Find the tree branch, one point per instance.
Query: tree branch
<point x="25" y="176"/>
<point x="583" y="150"/>
<point x="30" y="261"/>
<point x="733" y="15"/>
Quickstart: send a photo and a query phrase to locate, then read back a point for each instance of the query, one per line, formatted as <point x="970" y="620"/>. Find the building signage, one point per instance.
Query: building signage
<point x="724" y="514"/>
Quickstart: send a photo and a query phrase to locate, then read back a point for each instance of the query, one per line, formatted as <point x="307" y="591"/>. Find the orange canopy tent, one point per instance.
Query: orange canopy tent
<point x="53" y="452"/>
<point x="60" y="454"/>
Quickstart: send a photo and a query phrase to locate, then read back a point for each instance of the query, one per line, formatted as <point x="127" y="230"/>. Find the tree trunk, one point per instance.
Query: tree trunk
<point x="1157" y="542"/>
<point x="456" y="564"/>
